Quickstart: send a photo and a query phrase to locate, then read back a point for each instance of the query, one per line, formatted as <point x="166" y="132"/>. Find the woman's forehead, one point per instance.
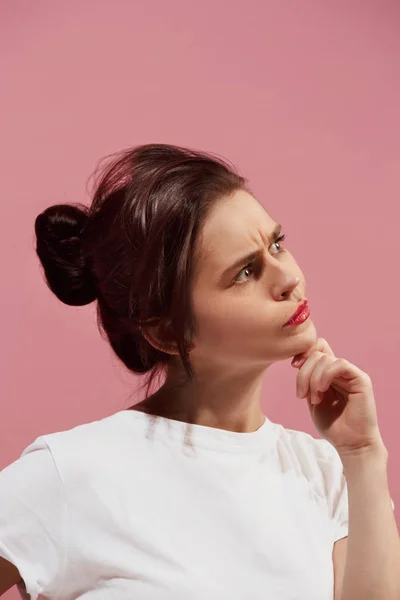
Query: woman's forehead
<point x="237" y="226"/>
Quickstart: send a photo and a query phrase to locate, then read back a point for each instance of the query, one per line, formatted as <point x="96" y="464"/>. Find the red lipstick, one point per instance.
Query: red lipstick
<point x="302" y="313"/>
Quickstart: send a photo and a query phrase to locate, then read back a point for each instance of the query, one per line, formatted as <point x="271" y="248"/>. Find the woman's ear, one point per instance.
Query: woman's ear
<point x="157" y="336"/>
<point x="160" y="337"/>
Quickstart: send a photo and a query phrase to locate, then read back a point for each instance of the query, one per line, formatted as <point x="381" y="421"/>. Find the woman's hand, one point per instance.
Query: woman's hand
<point x="340" y="399"/>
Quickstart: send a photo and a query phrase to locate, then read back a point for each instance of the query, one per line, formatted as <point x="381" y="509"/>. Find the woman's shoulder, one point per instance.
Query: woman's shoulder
<point x="81" y="433"/>
<point x="85" y="444"/>
<point x="313" y="457"/>
<point x="305" y="442"/>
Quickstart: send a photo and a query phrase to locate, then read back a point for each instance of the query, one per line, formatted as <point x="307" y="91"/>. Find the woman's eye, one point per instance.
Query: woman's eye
<point x="249" y="267"/>
<point x="281" y="238"/>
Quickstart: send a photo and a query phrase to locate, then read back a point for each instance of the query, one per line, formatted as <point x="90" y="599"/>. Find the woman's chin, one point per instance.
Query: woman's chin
<point x="303" y="336"/>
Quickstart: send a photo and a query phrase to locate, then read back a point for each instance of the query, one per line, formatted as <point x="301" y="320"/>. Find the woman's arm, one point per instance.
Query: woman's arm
<point x="9" y="576"/>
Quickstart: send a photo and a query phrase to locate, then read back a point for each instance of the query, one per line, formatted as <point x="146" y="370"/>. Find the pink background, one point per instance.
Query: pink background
<point x="303" y="96"/>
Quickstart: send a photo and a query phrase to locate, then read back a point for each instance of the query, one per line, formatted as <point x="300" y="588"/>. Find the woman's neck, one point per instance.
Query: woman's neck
<point x="233" y="409"/>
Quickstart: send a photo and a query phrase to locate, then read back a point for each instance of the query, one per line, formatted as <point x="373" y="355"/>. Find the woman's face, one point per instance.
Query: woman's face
<point x="240" y="310"/>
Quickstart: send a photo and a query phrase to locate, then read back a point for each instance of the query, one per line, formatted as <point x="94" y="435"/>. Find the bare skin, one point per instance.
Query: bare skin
<point x="240" y="326"/>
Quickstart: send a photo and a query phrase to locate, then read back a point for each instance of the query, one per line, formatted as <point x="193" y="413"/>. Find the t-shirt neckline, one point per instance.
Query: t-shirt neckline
<point x="204" y="436"/>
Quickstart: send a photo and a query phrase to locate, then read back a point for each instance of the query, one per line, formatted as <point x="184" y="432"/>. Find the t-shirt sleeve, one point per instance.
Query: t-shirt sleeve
<point x="336" y="490"/>
<point x="33" y="520"/>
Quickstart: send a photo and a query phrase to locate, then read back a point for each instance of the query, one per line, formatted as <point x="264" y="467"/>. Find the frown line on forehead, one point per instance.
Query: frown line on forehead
<point x="272" y="237"/>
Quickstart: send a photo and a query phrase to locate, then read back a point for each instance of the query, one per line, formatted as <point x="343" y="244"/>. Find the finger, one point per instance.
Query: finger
<point x="318" y="380"/>
<point x="321" y="345"/>
<point x="304" y="374"/>
<point x="349" y="372"/>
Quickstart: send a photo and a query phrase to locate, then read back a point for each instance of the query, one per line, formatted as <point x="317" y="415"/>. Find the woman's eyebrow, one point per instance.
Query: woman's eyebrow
<point x="253" y="255"/>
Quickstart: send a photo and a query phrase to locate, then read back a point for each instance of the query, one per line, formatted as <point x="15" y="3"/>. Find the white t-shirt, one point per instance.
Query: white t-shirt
<point x="141" y="508"/>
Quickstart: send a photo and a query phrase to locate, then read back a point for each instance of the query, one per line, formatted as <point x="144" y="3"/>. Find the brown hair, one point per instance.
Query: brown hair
<point x="134" y="248"/>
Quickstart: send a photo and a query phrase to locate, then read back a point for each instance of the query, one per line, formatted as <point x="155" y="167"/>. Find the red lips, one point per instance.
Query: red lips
<point x="298" y="311"/>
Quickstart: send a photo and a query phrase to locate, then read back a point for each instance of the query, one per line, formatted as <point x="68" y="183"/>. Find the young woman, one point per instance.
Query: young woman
<point x="192" y="493"/>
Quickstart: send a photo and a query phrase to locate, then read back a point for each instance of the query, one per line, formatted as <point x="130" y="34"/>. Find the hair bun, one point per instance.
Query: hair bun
<point x="59" y="247"/>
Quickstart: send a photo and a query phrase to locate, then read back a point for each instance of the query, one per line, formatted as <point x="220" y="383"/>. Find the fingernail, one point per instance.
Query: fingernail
<point x="295" y="363"/>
